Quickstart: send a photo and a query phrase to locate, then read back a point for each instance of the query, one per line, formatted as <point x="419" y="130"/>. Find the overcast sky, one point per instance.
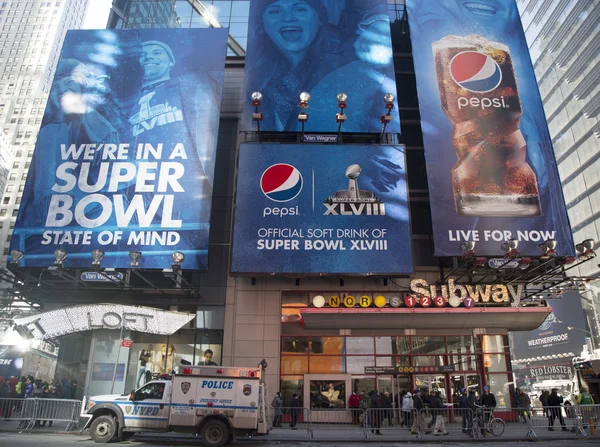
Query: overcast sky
<point x="97" y="14"/>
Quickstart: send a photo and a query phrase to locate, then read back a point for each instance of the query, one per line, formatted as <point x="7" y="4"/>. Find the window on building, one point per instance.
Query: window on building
<point x="18" y="200"/>
<point x="21" y="188"/>
<point x="3" y="212"/>
<point x="5" y="200"/>
<point x="15" y="212"/>
<point x="10" y="188"/>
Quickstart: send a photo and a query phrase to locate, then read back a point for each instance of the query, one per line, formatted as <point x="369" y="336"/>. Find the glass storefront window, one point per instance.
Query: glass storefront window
<point x="326" y="364"/>
<point x="402" y="361"/>
<point x="460" y="344"/>
<point x="384" y="345"/>
<point x="428" y="360"/>
<point x="363" y="384"/>
<point x="502" y="388"/>
<point x="327" y="345"/>
<point x="294" y="345"/>
<point x="356" y="363"/>
<point x="385" y="361"/>
<point x="327" y="394"/>
<point x="294" y="364"/>
<point x="402" y="345"/>
<point x="463" y="362"/>
<point x="494" y="343"/>
<point x="360" y="345"/>
<point x="494" y="362"/>
<point x="428" y="345"/>
<point x="292" y="385"/>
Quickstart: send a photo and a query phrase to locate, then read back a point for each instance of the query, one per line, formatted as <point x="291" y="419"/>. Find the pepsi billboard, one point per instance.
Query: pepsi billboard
<point x="125" y="155"/>
<point x="490" y="163"/>
<point x="318" y="209"/>
<point x="323" y="48"/>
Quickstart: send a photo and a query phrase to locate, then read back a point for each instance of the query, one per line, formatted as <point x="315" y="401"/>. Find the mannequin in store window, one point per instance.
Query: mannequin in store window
<point x="208" y="355"/>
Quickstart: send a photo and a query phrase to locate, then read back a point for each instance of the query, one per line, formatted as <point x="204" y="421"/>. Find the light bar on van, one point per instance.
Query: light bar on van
<point x="247" y="373"/>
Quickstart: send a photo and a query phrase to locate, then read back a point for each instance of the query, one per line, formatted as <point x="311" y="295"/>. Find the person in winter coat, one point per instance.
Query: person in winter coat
<point x="488" y="400"/>
<point x="28" y="387"/>
<point x="419" y="423"/>
<point x="524" y="403"/>
<point x="386" y="409"/>
<point x="407" y="410"/>
<point x="354" y="404"/>
<point x="277" y="410"/>
<point x="65" y="388"/>
<point x="295" y="411"/>
<point x="440" y="424"/>
<point x="544" y="402"/>
<point x="5" y="403"/>
<point x="433" y="404"/>
<point x="376" y="415"/>
<point x="465" y="411"/>
<point x="555" y="411"/>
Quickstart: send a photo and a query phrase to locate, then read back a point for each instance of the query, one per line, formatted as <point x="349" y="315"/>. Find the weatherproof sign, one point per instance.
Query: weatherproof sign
<point x="125" y="155"/>
<point x="490" y="164"/>
<point x="321" y="209"/>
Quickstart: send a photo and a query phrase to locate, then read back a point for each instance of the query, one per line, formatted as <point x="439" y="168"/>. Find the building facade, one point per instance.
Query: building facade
<point x="563" y="39"/>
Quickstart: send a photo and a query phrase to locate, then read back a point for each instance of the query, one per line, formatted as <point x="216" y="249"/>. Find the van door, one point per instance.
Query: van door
<point x="150" y="408"/>
<point x="183" y="401"/>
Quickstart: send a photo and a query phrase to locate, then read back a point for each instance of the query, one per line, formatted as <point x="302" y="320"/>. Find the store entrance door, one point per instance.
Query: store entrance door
<point x="431" y="384"/>
<point x="402" y="385"/>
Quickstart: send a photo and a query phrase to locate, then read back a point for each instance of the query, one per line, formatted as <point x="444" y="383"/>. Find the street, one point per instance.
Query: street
<point x="69" y="440"/>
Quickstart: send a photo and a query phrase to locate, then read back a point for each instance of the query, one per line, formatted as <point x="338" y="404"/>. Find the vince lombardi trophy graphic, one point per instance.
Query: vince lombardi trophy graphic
<point x="353" y="201"/>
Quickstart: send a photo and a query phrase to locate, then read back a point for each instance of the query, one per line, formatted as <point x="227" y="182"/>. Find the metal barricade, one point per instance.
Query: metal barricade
<point x="34" y="412"/>
<point x="589" y="416"/>
<point x="531" y="423"/>
<point x="283" y="419"/>
<point x="337" y="424"/>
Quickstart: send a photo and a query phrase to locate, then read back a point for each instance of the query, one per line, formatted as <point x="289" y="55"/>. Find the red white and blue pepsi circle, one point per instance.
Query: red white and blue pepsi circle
<point x="281" y="182"/>
<point x="475" y="71"/>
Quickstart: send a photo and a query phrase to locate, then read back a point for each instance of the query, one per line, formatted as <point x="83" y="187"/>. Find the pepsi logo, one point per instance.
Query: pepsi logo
<point x="281" y="182"/>
<point x="475" y="71"/>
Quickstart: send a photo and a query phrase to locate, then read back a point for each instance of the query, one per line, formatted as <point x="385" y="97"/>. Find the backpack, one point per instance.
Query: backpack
<point x="19" y="387"/>
<point x="274" y="402"/>
<point x="586" y="399"/>
<point x="364" y="404"/>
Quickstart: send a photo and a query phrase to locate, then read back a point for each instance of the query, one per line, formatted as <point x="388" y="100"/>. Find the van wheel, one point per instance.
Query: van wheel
<point x="215" y="433"/>
<point x="103" y="429"/>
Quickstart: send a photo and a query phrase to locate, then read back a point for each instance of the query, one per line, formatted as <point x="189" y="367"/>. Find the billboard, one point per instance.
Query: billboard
<point x="323" y="48"/>
<point x="553" y="336"/>
<point x="490" y="164"/>
<point x="125" y="155"/>
<point x="317" y="209"/>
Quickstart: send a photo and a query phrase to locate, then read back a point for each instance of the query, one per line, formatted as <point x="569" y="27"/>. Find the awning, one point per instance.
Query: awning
<point x="510" y="318"/>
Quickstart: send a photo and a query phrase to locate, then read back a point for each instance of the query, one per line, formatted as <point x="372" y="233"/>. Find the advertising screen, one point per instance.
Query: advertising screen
<point x="553" y="336"/>
<point x="490" y="164"/>
<point x="317" y="209"/>
<point x="323" y="48"/>
<point x="125" y="155"/>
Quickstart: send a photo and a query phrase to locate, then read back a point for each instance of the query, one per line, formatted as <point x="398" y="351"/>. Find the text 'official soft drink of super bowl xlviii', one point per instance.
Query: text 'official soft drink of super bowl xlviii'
<point x="479" y="94"/>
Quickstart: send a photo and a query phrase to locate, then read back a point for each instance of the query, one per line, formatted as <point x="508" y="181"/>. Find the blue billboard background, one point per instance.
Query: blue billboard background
<point x="323" y="48"/>
<point x="125" y="155"/>
<point x="496" y="21"/>
<point x="317" y="209"/>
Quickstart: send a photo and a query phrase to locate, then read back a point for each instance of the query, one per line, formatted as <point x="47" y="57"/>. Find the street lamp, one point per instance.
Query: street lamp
<point x="257" y="116"/>
<point x="341" y="116"/>
<point x="385" y="119"/>
<point x="303" y="116"/>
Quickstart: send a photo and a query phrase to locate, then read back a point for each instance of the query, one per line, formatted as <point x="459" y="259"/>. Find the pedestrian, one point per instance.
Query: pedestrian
<point x="433" y="405"/>
<point x="488" y="401"/>
<point x="544" y="402"/>
<point x="440" y="423"/>
<point x="354" y="404"/>
<point x="407" y="408"/>
<point x="524" y="403"/>
<point x="555" y="410"/>
<point x="465" y="411"/>
<point x="387" y="411"/>
<point x="376" y="413"/>
<point x="5" y="401"/>
<point x="295" y="411"/>
<point x="365" y="404"/>
<point x="277" y="410"/>
<point x="419" y="423"/>
<point x="65" y="388"/>
<point x="74" y="390"/>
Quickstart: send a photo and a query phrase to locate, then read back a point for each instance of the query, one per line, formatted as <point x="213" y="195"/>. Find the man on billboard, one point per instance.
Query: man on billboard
<point x="324" y="48"/>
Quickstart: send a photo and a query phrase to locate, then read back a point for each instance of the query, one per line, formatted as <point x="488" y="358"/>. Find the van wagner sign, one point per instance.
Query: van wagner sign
<point x="64" y="321"/>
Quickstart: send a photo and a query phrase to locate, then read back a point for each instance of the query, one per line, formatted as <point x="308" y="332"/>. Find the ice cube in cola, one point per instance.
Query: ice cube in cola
<point x="479" y="94"/>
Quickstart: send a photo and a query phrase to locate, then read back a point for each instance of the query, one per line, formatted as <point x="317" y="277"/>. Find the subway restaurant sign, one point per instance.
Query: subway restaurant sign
<point x="425" y="295"/>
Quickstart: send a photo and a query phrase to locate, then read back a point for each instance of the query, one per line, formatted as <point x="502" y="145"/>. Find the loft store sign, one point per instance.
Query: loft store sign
<point x="64" y="321"/>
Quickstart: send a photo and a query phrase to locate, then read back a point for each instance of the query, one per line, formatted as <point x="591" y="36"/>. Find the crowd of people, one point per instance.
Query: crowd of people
<point x="13" y="389"/>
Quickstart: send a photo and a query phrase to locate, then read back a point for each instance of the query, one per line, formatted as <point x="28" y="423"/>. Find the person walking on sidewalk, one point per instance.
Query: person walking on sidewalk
<point x="387" y="411"/>
<point x="440" y="424"/>
<point x="295" y="411"/>
<point x="419" y="423"/>
<point x="524" y="403"/>
<point x="375" y="413"/>
<point x="407" y="408"/>
<point x="354" y="404"/>
<point x="465" y="411"/>
<point x="488" y="401"/>
<point x="555" y="410"/>
<point x="276" y="403"/>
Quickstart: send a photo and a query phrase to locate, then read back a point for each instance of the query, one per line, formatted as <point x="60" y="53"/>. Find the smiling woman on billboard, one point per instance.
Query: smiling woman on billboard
<point x="324" y="48"/>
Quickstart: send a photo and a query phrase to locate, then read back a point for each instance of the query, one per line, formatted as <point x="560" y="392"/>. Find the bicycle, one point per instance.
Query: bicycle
<point x="491" y="424"/>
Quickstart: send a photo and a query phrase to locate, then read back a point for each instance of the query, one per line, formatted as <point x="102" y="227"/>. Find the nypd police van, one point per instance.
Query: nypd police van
<point x="218" y="403"/>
